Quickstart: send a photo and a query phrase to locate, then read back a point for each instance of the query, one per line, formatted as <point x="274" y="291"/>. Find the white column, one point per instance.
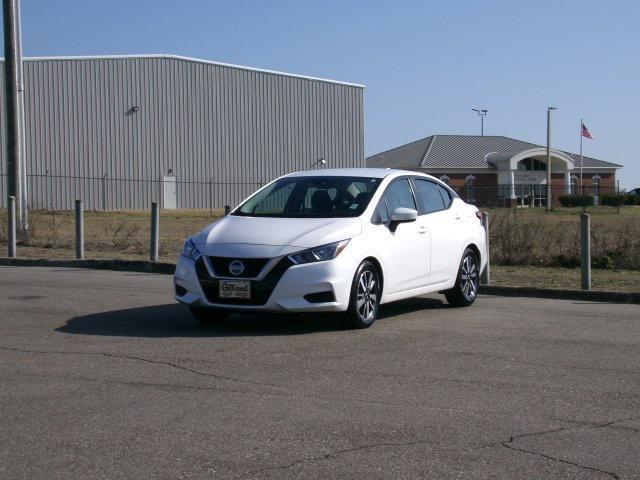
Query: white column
<point x="567" y="182"/>
<point x="512" y="179"/>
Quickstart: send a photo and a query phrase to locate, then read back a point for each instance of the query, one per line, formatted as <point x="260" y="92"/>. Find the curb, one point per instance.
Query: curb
<point x="119" y="265"/>
<point x="558" y="294"/>
<point x="168" y="268"/>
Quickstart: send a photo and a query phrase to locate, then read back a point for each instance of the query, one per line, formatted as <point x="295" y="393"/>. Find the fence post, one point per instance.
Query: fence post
<point x="155" y="229"/>
<point x="227" y="209"/>
<point x="104" y="193"/>
<point x="79" y="231"/>
<point x="11" y="234"/>
<point x="585" y="250"/>
<point x="211" y="194"/>
<point x="485" y="277"/>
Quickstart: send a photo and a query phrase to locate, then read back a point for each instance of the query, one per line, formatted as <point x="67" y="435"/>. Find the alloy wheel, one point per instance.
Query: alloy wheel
<point x="469" y="277"/>
<point x="367" y="295"/>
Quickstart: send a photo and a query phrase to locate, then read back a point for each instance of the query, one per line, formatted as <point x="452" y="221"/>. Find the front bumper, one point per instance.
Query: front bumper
<point x="281" y="290"/>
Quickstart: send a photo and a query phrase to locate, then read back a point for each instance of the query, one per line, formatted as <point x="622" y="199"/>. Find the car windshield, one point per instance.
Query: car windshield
<point x="312" y="197"/>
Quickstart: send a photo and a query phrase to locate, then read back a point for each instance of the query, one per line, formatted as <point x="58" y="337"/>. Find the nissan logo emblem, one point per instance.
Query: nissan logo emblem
<point x="236" y="267"/>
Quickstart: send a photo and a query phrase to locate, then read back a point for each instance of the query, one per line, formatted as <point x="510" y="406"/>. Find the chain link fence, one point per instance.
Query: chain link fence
<point x="536" y="195"/>
<point x="59" y="192"/>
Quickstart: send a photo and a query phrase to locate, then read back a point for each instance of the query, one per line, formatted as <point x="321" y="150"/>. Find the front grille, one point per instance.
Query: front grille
<point x="260" y="290"/>
<point x="252" y="266"/>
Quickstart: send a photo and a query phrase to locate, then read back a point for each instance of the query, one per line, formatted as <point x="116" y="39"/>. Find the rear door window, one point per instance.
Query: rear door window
<point x="429" y="196"/>
<point x="446" y="196"/>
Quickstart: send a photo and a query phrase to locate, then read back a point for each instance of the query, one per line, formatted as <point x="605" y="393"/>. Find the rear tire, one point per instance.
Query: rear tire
<point x="364" y="300"/>
<point x="208" y="316"/>
<point x="465" y="291"/>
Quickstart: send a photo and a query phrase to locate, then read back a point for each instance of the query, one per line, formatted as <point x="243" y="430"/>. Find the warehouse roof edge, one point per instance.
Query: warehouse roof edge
<point x="189" y="59"/>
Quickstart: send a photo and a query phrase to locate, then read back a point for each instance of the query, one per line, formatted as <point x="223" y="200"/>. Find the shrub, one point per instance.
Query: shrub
<point x="576" y="200"/>
<point x="632" y="199"/>
<point x="612" y="199"/>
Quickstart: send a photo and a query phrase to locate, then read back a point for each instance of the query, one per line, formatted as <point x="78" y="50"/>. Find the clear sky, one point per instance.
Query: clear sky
<point x="425" y="64"/>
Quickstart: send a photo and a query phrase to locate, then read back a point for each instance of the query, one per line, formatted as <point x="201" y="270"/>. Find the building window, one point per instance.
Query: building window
<point x="470" y="187"/>
<point x="532" y="164"/>
<point x="596" y="185"/>
<point x="574" y="185"/>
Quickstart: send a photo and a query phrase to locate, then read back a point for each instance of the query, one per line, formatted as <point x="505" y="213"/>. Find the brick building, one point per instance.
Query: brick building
<point x="497" y="170"/>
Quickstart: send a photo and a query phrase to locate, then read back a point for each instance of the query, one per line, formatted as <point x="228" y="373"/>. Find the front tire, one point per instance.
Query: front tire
<point x="465" y="291"/>
<point x="364" y="300"/>
<point x="208" y="316"/>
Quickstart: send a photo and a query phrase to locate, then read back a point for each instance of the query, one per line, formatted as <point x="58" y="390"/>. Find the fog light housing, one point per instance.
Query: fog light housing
<point x="320" y="297"/>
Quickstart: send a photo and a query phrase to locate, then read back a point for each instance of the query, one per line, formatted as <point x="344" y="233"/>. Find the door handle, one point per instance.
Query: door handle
<point x="457" y="216"/>
<point x="422" y="229"/>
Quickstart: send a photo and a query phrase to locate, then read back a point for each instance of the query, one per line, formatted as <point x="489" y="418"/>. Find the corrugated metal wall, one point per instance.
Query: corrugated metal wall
<point x="107" y="129"/>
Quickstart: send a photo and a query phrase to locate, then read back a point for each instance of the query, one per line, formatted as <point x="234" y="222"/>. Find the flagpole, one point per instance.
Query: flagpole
<point x="581" y="161"/>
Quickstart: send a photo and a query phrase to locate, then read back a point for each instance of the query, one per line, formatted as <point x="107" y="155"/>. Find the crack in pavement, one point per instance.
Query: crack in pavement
<point x="611" y="423"/>
<point x="292" y="390"/>
<point x="556" y="459"/>
<point x="334" y="454"/>
<point x="533" y="434"/>
<point x="577" y="424"/>
<point x="147" y="360"/>
<point x="503" y="444"/>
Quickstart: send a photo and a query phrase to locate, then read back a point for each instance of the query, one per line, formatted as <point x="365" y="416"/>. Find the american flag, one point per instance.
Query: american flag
<point x="586" y="133"/>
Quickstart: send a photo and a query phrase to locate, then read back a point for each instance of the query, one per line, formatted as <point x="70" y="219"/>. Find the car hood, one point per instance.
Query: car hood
<point x="271" y="237"/>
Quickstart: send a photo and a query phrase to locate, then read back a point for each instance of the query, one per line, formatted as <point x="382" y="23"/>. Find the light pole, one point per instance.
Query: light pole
<point x="481" y="113"/>
<point x="11" y="109"/>
<point x="549" y="109"/>
<point x="320" y="163"/>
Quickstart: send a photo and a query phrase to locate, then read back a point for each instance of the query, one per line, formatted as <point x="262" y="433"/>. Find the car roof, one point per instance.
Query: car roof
<point x="355" y="172"/>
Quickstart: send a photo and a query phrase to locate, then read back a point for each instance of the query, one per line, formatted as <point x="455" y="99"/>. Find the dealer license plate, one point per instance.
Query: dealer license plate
<point x="235" y="289"/>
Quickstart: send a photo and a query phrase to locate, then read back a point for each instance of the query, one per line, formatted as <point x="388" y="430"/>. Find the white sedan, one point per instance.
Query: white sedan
<point x="344" y="240"/>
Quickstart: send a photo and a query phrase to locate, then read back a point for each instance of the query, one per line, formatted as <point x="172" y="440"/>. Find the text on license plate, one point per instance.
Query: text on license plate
<point x="235" y="289"/>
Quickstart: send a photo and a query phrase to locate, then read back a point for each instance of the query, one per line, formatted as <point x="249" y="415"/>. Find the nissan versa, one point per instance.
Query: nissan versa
<point x="344" y="241"/>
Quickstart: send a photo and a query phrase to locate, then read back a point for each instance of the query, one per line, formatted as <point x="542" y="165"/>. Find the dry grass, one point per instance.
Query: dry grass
<point x="533" y="237"/>
<point x="557" y="277"/>
<point x="109" y="234"/>
<point x="522" y="242"/>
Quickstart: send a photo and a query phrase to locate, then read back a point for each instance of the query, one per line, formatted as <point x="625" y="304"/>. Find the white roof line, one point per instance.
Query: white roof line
<point x="191" y="59"/>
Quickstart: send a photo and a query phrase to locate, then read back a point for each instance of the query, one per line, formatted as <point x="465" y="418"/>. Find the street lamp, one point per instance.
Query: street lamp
<point x="481" y="113"/>
<point x="549" y="109"/>
<point x="320" y="163"/>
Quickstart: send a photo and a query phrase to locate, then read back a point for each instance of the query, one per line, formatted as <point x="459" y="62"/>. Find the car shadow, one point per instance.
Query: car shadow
<point x="174" y="320"/>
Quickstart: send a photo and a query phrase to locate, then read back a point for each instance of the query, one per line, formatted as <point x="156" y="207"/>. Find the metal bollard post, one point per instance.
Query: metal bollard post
<point x="485" y="277"/>
<point x="585" y="250"/>
<point x="79" y="231"/>
<point x="227" y="209"/>
<point x="11" y="238"/>
<point x="155" y="230"/>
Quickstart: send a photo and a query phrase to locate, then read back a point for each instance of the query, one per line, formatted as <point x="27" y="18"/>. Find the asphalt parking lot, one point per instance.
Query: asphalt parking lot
<point x="102" y="375"/>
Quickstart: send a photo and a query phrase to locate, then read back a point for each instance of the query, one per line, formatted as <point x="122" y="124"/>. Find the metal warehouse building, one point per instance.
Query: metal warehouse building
<point x="119" y="132"/>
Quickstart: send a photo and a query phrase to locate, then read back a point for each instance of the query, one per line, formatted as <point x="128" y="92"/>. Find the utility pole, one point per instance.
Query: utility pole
<point x="549" y="109"/>
<point x="11" y="102"/>
<point x="23" y="218"/>
<point x="481" y="113"/>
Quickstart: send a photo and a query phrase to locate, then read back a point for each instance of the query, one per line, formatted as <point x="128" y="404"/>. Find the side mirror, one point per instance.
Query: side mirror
<point x="402" y="215"/>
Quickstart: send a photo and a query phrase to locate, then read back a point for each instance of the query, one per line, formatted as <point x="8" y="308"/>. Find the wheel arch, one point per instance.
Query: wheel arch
<point x="476" y="250"/>
<point x="378" y="266"/>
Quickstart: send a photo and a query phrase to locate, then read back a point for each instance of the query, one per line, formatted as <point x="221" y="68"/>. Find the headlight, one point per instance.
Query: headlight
<point x="319" y="254"/>
<point x="190" y="250"/>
